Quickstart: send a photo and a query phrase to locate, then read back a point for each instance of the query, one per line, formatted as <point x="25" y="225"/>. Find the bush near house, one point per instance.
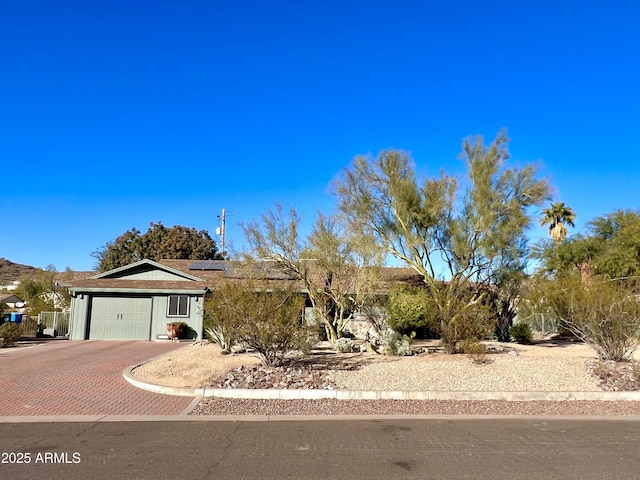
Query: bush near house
<point x="268" y="321"/>
<point x="10" y="333"/>
<point x="410" y="309"/>
<point x="522" y="333"/>
<point x="462" y="320"/>
<point x="343" y="345"/>
<point x="395" y="344"/>
<point x="603" y="313"/>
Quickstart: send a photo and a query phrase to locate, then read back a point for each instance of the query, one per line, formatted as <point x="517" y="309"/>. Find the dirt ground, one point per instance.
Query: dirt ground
<point x="195" y="365"/>
<point x="191" y="366"/>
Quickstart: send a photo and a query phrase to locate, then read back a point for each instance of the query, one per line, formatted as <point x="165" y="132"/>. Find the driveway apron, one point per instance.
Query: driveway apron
<point x="81" y="378"/>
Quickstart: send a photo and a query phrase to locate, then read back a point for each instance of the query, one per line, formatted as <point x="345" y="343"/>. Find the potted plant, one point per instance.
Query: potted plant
<point x="175" y="329"/>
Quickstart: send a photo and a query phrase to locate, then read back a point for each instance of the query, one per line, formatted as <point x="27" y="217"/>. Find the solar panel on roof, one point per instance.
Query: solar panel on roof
<point x="217" y="265"/>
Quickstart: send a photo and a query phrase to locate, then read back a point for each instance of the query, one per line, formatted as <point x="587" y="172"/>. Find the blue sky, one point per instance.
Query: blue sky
<point x="117" y="114"/>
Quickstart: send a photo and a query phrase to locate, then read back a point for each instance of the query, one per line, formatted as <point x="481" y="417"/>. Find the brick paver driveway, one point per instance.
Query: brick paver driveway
<point x="81" y="378"/>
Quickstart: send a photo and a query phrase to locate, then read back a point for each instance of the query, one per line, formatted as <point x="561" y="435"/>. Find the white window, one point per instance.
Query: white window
<point x="178" y="306"/>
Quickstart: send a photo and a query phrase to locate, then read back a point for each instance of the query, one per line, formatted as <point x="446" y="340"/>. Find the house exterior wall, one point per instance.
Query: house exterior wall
<point x="153" y="275"/>
<point x="79" y="317"/>
<point x="160" y="319"/>
<point x="81" y="314"/>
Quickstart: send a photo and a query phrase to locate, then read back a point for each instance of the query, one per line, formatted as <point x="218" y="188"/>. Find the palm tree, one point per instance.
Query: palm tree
<point x="556" y="217"/>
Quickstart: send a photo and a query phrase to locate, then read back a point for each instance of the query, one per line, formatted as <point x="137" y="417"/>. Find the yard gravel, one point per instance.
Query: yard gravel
<point x="222" y="406"/>
<point x="545" y="367"/>
<point x="503" y="372"/>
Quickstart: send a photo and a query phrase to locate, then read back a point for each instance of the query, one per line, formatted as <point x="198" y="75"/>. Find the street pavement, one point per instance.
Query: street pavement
<point x="381" y="448"/>
<point x="81" y="378"/>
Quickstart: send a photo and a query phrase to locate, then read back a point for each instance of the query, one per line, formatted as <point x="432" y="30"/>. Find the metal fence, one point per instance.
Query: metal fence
<point x="50" y="323"/>
<point x="540" y="322"/>
<point x="29" y="326"/>
<point x="56" y="321"/>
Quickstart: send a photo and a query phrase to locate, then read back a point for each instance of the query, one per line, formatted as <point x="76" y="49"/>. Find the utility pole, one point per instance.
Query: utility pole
<point x="220" y="230"/>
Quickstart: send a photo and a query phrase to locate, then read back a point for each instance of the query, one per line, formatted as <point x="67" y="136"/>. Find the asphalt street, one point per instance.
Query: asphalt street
<point x="379" y="448"/>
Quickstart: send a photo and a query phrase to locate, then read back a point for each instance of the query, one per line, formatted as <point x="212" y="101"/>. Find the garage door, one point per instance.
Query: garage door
<point x="119" y="318"/>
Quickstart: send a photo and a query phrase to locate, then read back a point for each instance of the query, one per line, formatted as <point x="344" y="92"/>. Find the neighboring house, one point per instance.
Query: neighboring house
<point x="135" y="302"/>
<point x="11" y="287"/>
<point x="12" y="301"/>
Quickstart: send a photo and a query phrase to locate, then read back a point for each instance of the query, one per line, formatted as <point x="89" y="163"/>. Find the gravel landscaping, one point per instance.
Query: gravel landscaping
<point x="220" y="406"/>
<point x="547" y="366"/>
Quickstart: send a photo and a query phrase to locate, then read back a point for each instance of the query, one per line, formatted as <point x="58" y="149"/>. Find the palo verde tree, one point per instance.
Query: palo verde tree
<point x="158" y="242"/>
<point x="338" y="270"/>
<point x="462" y="237"/>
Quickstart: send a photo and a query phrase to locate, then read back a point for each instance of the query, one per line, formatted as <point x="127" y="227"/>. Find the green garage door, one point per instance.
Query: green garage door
<point x="120" y="318"/>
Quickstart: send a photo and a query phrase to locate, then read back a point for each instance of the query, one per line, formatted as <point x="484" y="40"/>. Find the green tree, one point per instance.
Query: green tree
<point x="265" y="318"/>
<point x="461" y="237"/>
<point x="337" y="269"/>
<point x="38" y="290"/>
<point x="616" y="238"/>
<point x="604" y="314"/>
<point x="558" y="216"/>
<point x="178" y="242"/>
<point x="610" y="248"/>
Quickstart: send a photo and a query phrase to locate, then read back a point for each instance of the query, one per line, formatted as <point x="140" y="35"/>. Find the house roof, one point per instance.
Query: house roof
<point x="123" y="285"/>
<point x="226" y="270"/>
<point x="10" y="298"/>
<point x="149" y="264"/>
<point x="199" y="276"/>
<point x="138" y="277"/>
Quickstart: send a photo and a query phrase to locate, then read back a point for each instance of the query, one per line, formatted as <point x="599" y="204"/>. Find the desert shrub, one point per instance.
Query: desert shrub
<point x="267" y="320"/>
<point x="503" y="331"/>
<point x="464" y="320"/>
<point x="10" y="333"/>
<point x="602" y="313"/>
<point x="476" y="350"/>
<point x="394" y="343"/>
<point x="376" y="312"/>
<point x="219" y="321"/>
<point x="219" y="334"/>
<point x="459" y="315"/>
<point x="410" y="309"/>
<point x="522" y="333"/>
<point x="343" y="345"/>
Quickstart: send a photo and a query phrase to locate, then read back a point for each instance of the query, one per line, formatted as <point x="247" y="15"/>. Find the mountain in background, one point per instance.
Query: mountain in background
<point x="10" y="271"/>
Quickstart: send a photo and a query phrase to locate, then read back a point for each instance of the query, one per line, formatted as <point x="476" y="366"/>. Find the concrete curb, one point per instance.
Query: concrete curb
<point x="306" y="418"/>
<point x="301" y="394"/>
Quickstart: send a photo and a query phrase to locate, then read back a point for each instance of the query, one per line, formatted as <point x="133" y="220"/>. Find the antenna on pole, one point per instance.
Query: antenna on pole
<point x="220" y="230"/>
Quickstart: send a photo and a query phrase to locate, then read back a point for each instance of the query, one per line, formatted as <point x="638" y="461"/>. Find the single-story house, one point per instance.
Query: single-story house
<point x="11" y="300"/>
<point x="137" y="301"/>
